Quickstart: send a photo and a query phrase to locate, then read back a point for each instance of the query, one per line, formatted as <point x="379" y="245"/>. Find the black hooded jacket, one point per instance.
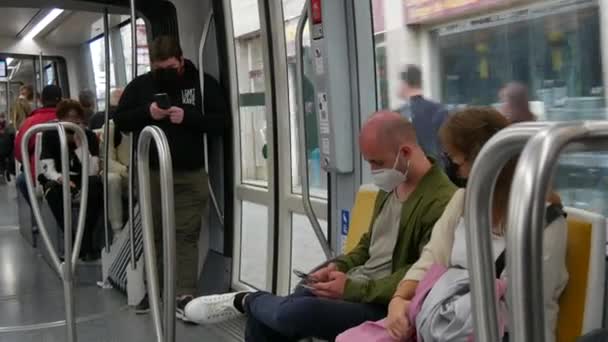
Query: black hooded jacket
<point x="186" y="139"/>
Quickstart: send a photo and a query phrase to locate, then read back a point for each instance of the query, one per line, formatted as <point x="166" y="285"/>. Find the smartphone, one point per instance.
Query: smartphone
<point x="162" y="100"/>
<point x="304" y="276"/>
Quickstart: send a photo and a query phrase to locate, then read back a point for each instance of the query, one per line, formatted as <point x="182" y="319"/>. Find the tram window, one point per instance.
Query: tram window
<point x="556" y="55"/>
<point x="143" y="53"/>
<point x="553" y="47"/>
<point x="251" y="85"/>
<point x="3" y="68"/>
<point x="96" y="49"/>
<point x="317" y="177"/>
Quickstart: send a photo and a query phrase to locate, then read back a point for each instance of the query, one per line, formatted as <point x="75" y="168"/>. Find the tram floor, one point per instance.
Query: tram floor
<point x="32" y="302"/>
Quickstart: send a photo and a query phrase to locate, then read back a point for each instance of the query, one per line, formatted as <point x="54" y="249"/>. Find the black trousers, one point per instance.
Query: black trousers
<point x="54" y="197"/>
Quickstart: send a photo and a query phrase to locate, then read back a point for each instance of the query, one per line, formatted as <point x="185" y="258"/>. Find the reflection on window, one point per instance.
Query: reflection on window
<point x="551" y="47"/>
<point x="556" y="55"/>
<point x="143" y="54"/>
<point x="96" y="49"/>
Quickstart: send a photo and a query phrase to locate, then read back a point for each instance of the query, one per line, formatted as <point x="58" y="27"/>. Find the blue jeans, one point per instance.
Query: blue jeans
<point x="302" y="314"/>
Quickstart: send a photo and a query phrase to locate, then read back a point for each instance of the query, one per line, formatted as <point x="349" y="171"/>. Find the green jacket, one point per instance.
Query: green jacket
<point x="418" y="215"/>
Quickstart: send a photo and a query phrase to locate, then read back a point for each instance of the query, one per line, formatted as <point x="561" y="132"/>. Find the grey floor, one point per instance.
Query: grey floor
<point x="31" y="298"/>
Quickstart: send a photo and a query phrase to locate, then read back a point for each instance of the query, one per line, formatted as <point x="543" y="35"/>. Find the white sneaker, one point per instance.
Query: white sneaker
<point x="212" y="309"/>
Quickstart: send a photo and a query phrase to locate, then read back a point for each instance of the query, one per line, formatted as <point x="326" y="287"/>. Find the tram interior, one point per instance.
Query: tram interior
<point x="259" y="231"/>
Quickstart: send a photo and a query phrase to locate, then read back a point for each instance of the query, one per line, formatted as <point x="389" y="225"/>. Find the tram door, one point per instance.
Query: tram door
<point x="273" y="235"/>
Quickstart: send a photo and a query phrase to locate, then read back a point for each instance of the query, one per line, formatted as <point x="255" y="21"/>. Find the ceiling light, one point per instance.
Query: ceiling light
<point x="9" y="60"/>
<point x="42" y="24"/>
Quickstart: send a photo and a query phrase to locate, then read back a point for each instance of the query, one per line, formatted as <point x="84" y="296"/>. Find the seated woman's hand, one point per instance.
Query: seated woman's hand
<point x="397" y="322"/>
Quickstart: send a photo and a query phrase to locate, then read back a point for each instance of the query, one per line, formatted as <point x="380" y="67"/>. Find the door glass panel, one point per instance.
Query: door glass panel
<point x="143" y="53"/>
<point x="306" y="252"/>
<point x="251" y="85"/>
<point x="254" y="244"/>
<point x="96" y="48"/>
<point x="317" y="177"/>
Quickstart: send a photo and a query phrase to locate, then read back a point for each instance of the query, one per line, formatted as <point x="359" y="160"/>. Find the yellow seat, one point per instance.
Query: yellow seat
<point x="581" y="303"/>
<point x="362" y="213"/>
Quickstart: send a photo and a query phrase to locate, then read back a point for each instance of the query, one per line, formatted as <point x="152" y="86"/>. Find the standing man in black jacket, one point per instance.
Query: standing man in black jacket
<point x="184" y="124"/>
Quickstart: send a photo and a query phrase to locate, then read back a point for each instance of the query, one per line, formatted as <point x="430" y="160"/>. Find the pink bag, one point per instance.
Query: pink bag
<point x="376" y="331"/>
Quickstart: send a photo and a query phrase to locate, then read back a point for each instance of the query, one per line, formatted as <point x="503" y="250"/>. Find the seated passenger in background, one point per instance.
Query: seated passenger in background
<point x="51" y="95"/>
<point x="52" y="179"/>
<point x="355" y="287"/>
<point x="88" y="101"/>
<point x="515" y="103"/>
<point x="118" y="178"/>
<point x="463" y="135"/>
<point x="98" y="119"/>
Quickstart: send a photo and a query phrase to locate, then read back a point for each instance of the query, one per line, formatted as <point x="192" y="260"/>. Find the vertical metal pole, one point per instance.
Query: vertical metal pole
<point x="68" y="286"/>
<point x="8" y="101"/>
<point x="106" y="131"/>
<point x="168" y="222"/>
<point x="41" y="63"/>
<point x="131" y="137"/>
<point x="133" y="41"/>
<point x="35" y="85"/>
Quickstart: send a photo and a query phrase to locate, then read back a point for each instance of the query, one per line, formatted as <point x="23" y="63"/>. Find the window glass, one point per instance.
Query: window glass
<point x="251" y="84"/>
<point x="143" y="53"/>
<point x="96" y="49"/>
<point x="551" y="47"/>
<point x="316" y="176"/>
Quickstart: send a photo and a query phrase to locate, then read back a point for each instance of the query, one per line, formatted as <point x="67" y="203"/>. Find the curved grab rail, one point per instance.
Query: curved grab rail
<point x="65" y="269"/>
<point x="168" y="223"/>
<point x="490" y="160"/>
<point x="302" y="155"/>
<point x="531" y="182"/>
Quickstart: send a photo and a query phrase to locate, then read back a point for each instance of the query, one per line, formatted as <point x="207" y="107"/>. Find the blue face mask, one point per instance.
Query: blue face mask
<point x="389" y="179"/>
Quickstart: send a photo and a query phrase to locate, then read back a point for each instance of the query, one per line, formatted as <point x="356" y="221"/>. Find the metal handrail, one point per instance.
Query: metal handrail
<point x="201" y="71"/>
<point x="168" y="220"/>
<point x="131" y="136"/>
<point x="66" y="268"/>
<point x="531" y="182"/>
<point x="303" y="155"/>
<point x="106" y="131"/>
<point x="478" y="200"/>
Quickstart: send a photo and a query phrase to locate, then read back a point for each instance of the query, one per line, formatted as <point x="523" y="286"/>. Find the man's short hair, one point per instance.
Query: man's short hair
<point x="163" y="48"/>
<point x="412" y="75"/>
<point x="68" y="105"/>
<point x="87" y="98"/>
<point x="51" y="95"/>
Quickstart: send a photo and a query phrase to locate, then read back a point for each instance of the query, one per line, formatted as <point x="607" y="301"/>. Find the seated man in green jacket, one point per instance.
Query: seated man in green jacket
<point x="358" y="286"/>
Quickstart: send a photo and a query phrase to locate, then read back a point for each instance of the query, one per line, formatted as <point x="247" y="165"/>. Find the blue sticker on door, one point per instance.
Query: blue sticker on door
<point x="345" y="226"/>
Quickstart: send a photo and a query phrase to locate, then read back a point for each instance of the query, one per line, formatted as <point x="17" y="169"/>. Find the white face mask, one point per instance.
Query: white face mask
<point x="388" y="179"/>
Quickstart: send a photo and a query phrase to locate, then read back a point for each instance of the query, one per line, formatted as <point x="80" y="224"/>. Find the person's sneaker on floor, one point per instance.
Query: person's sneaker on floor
<point x="143" y="307"/>
<point x="215" y="308"/>
<point x="180" y="306"/>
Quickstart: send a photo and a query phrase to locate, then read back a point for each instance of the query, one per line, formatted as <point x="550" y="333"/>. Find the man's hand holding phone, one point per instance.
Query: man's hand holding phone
<point x="159" y="109"/>
<point x="158" y="113"/>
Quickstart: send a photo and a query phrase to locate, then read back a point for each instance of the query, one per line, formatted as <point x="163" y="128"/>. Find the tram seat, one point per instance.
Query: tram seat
<point x="581" y="303"/>
<point x="362" y="214"/>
